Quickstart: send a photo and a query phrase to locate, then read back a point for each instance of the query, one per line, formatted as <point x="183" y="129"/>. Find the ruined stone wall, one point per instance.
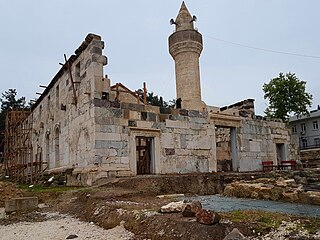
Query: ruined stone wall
<point x="257" y="141"/>
<point x="63" y="128"/>
<point x="310" y="157"/>
<point x="183" y="140"/>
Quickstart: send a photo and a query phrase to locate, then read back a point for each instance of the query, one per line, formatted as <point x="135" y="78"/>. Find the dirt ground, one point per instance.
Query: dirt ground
<point x="107" y="207"/>
<point x="112" y="203"/>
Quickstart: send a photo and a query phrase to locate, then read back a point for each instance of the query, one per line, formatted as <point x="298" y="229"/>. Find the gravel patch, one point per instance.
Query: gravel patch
<point x="60" y="226"/>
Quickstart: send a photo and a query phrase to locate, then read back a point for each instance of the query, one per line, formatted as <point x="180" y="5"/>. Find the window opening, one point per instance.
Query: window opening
<point x="294" y="129"/>
<point x="315" y="125"/>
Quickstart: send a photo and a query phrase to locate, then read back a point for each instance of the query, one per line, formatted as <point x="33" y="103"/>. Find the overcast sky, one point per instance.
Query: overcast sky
<point x="35" y="34"/>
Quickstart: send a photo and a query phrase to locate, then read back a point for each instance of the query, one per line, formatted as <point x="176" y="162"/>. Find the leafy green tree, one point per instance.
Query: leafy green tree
<point x="286" y="95"/>
<point x="155" y="100"/>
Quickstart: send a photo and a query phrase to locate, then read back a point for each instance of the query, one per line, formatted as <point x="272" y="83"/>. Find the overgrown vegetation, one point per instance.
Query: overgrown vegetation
<point x="266" y="221"/>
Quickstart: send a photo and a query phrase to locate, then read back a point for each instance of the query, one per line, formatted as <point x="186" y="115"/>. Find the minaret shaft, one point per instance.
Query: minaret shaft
<point x="185" y="47"/>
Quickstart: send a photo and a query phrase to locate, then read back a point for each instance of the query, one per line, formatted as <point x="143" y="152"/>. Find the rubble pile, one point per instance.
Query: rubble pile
<point x="280" y="189"/>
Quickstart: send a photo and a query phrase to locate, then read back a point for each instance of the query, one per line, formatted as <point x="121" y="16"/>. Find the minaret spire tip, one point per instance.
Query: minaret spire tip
<point x="184" y="20"/>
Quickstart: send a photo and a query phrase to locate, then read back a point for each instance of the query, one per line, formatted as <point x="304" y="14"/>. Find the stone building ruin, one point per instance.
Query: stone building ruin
<point x="90" y="129"/>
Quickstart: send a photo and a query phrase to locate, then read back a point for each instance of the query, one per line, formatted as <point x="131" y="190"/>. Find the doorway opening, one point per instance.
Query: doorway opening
<point x="226" y="149"/>
<point x="281" y="156"/>
<point x="145" y="155"/>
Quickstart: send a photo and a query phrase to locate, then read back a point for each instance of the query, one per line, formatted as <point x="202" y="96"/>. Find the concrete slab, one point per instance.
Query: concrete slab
<point x="22" y="203"/>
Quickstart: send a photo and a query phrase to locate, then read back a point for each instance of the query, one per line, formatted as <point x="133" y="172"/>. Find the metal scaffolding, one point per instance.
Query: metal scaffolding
<point x="19" y="163"/>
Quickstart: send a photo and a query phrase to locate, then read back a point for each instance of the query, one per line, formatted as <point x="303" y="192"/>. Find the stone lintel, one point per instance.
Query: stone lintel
<point x="224" y="120"/>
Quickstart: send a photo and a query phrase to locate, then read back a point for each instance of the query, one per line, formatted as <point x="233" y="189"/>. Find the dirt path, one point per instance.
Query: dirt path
<point x="60" y="226"/>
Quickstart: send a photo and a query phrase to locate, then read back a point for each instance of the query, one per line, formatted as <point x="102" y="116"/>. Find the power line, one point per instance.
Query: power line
<point x="262" y="49"/>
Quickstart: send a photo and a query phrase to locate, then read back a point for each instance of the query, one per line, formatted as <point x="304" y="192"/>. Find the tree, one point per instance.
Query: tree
<point x="155" y="100"/>
<point x="286" y="95"/>
<point x="8" y="101"/>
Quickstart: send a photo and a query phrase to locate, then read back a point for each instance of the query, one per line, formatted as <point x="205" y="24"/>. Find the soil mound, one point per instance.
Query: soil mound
<point x="8" y="190"/>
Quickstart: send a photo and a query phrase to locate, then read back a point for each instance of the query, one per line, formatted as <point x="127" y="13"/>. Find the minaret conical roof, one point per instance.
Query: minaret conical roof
<point x="184" y="20"/>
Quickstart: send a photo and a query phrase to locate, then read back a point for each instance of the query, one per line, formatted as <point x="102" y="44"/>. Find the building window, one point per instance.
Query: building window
<point x="48" y="103"/>
<point x="315" y="125"/>
<point x="294" y="129"/>
<point x="77" y="73"/>
<point x="303" y="127"/>
<point x="317" y="142"/>
<point x="40" y="111"/>
<point x="304" y="143"/>
<point x="57" y="97"/>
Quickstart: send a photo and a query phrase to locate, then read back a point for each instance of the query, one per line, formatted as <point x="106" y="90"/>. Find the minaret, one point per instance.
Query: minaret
<point x="185" y="46"/>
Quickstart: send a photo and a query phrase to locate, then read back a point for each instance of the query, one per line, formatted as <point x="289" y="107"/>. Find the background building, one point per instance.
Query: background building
<point x="306" y="135"/>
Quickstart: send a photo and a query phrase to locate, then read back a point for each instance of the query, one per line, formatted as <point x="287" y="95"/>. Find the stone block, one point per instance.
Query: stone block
<point x="183" y="112"/>
<point x="101" y="103"/>
<point x="132" y="123"/>
<point x="144" y="124"/>
<point x="193" y="113"/>
<point x="173" y="117"/>
<point x="200" y="153"/>
<point x="133" y="107"/>
<point x="198" y="120"/>
<point x="107" y="144"/>
<point x="124" y="160"/>
<point x="195" y="126"/>
<point x="169" y="151"/>
<point x="154" y="109"/>
<point x="125" y="113"/>
<point x="109" y="128"/>
<point x="116" y="112"/>
<point x="182" y="118"/>
<point x="167" y="140"/>
<point x="123" y="122"/>
<point x="123" y="152"/>
<point x="163" y="117"/>
<point x="200" y="142"/>
<point x="183" y="141"/>
<point x="255" y="146"/>
<point x="235" y="234"/>
<point x="152" y="117"/>
<point x="134" y="115"/>
<point x="182" y="152"/>
<point x="106" y="152"/>
<point x="174" y="111"/>
<point x="20" y="204"/>
<point x="115" y="104"/>
<point x="176" y="124"/>
<point x="108" y="136"/>
<point x="103" y="120"/>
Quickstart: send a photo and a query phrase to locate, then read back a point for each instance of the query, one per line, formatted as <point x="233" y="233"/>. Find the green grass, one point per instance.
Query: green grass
<point x="264" y="221"/>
